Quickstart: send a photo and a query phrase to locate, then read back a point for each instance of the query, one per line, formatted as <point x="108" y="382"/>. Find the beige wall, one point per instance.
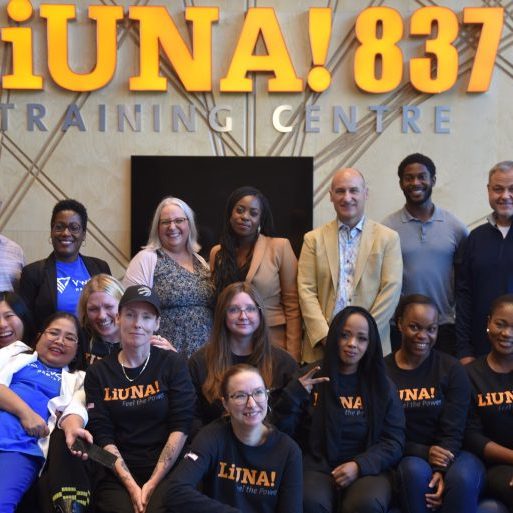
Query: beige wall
<point x="38" y="168"/>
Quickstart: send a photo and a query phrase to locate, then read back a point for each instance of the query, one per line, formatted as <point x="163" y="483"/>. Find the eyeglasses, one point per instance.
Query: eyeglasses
<point x="259" y="395"/>
<point x="177" y="220"/>
<point x="73" y="228"/>
<point x="68" y="339"/>
<point x="235" y="311"/>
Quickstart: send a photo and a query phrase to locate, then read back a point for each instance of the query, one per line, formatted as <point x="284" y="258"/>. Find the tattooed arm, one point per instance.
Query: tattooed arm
<point x="167" y="458"/>
<point x="126" y="478"/>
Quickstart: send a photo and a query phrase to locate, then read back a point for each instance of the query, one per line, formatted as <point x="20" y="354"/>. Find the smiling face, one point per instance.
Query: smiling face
<point x="67" y="235"/>
<point x="242" y="316"/>
<point x="353" y="343"/>
<point x="173" y="228"/>
<point x="11" y="326"/>
<point x="500" y="330"/>
<point x="57" y="345"/>
<point x="348" y="194"/>
<point x="137" y="322"/>
<point x="248" y="413"/>
<point x="417" y="184"/>
<point x="500" y="195"/>
<point x="419" y="328"/>
<point x="101" y="311"/>
<point x="245" y="217"/>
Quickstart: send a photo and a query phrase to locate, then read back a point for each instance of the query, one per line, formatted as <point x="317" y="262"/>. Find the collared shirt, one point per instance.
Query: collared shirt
<point x="493" y="221"/>
<point x="348" y="246"/>
<point x="12" y="261"/>
<point x="430" y="253"/>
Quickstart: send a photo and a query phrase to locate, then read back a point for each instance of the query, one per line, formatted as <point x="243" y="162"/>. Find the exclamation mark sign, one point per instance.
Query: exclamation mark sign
<point x="319" y="78"/>
<point x="19" y="10"/>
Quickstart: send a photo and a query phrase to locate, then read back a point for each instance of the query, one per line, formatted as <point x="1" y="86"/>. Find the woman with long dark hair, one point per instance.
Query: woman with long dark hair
<point x="248" y="252"/>
<point x="15" y="320"/>
<point x="349" y="420"/>
<point x="239" y="335"/>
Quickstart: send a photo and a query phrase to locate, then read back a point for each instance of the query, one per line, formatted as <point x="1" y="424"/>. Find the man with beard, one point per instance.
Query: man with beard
<point x="350" y="261"/>
<point x="487" y="268"/>
<point x="431" y="240"/>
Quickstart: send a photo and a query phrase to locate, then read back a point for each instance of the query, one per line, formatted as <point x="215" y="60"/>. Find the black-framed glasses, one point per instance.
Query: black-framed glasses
<point x="178" y="221"/>
<point x="73" y="228"/>
<point x="259" y="395"/>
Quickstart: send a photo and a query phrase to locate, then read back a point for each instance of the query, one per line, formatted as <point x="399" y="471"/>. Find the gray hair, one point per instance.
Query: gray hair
<point x="153" y="239"/>
<point x="502" y="167"/>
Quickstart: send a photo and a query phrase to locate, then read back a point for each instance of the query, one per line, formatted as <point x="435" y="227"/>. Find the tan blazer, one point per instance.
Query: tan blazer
<point x="377" y="284"/>
<point x="273" y="272"/>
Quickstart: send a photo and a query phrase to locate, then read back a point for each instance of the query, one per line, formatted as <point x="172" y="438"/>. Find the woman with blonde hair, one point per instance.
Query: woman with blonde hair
<point x="97" y="309"/>
<point x="170" y="264"/>
<point x="239" y="336"/>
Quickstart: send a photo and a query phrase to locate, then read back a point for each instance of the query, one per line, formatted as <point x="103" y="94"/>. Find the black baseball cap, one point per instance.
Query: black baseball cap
<point x="140" y="293"/>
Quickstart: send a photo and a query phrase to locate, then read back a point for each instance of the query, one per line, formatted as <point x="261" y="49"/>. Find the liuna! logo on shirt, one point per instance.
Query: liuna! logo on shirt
<point x="249" y="477"/>
<point x="504" y="399"/>
<point x="419" y="397"/>
<point x="132" y="392"/>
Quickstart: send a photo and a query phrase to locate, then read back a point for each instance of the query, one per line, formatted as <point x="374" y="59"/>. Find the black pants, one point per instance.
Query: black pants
<point x="369" y="494"/>
<point x="110" y="496"/>
<point x="498" y="478"/>
<point x="65" y="476"/>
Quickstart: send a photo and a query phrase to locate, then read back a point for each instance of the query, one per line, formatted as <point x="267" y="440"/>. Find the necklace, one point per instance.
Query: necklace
<point x="140" y="372"/>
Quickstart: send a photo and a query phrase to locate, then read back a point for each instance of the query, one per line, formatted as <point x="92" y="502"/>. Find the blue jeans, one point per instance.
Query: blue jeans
<point x="463" y="483"/>
<point x="18" y="472"/>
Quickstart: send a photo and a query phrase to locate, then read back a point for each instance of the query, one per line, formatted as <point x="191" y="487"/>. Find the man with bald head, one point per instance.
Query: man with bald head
<point x="350" y="261"/>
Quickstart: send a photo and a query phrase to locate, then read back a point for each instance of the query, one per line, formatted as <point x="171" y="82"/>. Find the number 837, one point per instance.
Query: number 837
<point x="378" y="63"/>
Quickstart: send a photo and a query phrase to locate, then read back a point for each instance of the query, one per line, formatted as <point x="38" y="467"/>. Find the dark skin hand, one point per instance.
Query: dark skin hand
<point x="434" y="500"/>
<point x="308" y="381"/>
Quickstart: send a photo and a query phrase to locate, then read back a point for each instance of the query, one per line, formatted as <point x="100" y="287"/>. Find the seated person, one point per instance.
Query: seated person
<point x="490" y="427"/>
<point x="244" y="463"/>
<point x="434" y="473"/>
<point x="36" y="387"/>
<point x="349" y="421"/>
<point x="15" y="320"/>
<point x="141" y="403"/>
<point x="239" y="336"/>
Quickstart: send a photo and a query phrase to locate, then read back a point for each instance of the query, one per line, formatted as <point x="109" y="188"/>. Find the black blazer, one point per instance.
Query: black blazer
<point x="38" y="285"/>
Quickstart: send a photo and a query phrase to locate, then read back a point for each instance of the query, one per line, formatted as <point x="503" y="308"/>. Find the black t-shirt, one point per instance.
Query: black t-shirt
<point x="138" y="416"/>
